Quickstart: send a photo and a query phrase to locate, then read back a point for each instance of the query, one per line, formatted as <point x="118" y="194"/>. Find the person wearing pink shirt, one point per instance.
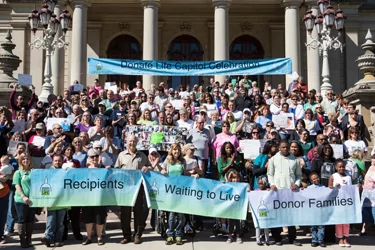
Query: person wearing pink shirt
<point x="222" y="138"/>
<point x="95" y="88"/>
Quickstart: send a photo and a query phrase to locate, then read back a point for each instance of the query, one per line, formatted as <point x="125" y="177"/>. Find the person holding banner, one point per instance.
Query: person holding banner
<point x="25" y="213"/>
<point x="341" y="178"/>
<point x="284" y="171"/>
<point x="132" y="159"/>
<point x="97" y="214"/>
<point x="227" y="160"/>
<point x="175" y="164"/>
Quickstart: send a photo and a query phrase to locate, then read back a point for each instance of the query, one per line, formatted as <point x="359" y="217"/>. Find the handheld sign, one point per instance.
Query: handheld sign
<point x="25" y="80"/>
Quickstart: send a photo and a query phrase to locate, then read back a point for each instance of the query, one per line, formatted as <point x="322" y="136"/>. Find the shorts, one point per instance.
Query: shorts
<point x="94" y="215"/>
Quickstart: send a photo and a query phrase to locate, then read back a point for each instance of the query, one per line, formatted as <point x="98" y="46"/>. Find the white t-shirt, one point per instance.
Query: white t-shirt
<point x="192" y="163"/>
<point x="354" y="145"/>
<point x="182" y="124"/>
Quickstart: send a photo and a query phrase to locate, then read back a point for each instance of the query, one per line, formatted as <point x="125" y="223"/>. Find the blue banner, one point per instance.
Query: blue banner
<point x="203" y="197"/>
<point x="84" y="187"/>
<point x="308" y="207"/>
<point x="276" y="66"/>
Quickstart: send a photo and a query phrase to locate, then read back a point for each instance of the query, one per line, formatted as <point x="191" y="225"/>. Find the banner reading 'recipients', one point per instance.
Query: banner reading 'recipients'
<point x="274" y="66"/>
<point x="118" y="187"/>
<point x="84" y="187"/>
<point x="311" y="206"/>
<point x="203" y="197"/>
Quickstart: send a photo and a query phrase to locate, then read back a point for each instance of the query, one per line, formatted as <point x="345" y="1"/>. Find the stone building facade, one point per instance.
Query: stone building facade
<point x="186" y="30"/>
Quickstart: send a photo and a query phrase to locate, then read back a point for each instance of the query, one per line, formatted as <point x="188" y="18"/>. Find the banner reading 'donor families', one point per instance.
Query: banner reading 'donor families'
<point x="203" y="197"/>
<point x="311" y="206"/>
<point x="274" y="66"/>
<point x="84" y="187"/>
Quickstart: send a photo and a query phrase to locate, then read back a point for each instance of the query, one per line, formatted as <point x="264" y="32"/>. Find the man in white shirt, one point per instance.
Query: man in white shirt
<point x="154" y="108"/>
<point x="329" y="103"/>
<point x="184" y="121"/>
<point x="161" y="98"/>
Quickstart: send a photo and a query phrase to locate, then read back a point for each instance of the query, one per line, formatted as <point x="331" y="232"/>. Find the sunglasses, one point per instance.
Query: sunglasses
<point x="255" y="133"/>
<point x="58" y="128"/>
<point x="269" y="126"/>
<point x="94" y="156"/>
<point x="229" y="116"/>
<point x="168" y="107"/>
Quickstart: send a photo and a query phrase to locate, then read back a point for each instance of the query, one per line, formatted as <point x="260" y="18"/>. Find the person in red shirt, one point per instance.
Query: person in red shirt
<point x="20" y="104"/>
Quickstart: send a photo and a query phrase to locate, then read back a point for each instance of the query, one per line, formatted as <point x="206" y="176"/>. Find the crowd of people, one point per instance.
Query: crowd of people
<point x="217" y="117"/>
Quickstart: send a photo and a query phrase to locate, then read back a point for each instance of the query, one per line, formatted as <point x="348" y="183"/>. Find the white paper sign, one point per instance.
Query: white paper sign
<point x="25" y="80"/>
<point x="338" y="151"/>
<point x="78" y="87"/>
<point x="13" y="146"/>
<point x="177" y="104"/>
<point x="295" y="76"/>
<point x="63" y="122"/>
<point x="38" y="141"/>
<point x="285" y="120"/>
<point x="250" y="148"/>
<point x="108" y="85"/>
<point x="19" y="126"/>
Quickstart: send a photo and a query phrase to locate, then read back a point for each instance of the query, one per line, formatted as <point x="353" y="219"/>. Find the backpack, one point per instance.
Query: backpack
<point x="352" y="168"/>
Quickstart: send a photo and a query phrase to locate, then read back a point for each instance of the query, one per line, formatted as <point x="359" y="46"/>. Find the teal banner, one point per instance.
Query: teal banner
<point x="203" y="197"/>
<point x="275" y="66"/>
<point x="118" y="187"/>
<point x="84" y="187"/>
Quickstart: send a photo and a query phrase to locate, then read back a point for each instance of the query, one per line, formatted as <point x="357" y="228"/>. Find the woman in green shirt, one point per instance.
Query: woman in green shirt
<point x="145" y="119"/>
<point x="25" y="213"/>
<point x="227" y="160"/>
<point x="175" y="164"/>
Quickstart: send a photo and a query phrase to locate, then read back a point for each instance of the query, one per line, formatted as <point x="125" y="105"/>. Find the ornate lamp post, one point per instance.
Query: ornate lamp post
<point x="324" y="42"/>
<point x="48" y="42"/>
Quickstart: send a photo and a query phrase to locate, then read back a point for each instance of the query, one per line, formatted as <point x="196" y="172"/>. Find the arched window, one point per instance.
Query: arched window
<point x="124" y="47"/>
<point x="185" y="48"/>
<point x="246" y="48"/>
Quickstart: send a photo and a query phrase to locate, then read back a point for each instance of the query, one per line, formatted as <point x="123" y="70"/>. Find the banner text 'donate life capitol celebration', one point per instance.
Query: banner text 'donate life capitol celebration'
<point x="274" y="66"/>
<point x="117" y="187"/>
<point x="308" y="207"/>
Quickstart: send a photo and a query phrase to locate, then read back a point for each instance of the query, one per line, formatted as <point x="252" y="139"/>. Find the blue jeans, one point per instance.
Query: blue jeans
<point x="176" y="225"/>
<point x="55" y="225"/>
<point x="11" y="210"/>
<point x="25" y="213"/>
<point x="317" y="234"/>
<point x="3" y="212"/>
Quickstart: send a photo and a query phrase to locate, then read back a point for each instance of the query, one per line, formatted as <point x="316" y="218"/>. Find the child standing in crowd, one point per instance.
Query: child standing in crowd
<point x="341" y="178"/>
<point x="234" y="225"/>
<point x="263" y="186"/>
<point x="175" y="165"/>
<point x="316" y="231"/>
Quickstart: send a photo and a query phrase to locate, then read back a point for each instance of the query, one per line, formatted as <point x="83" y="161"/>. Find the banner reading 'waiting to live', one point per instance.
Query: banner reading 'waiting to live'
<point x="275" y="66"/>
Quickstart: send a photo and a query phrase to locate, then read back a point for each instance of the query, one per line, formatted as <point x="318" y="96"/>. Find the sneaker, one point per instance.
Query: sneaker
<point x="8" y="234"/>
<point x="179" y="241"/>
<point x="2" y="241"/>
<point x="230" y="239"/>
<point x="259" y="243"/>
<point x="169" y="241"/>
<point x="239" y="240"/>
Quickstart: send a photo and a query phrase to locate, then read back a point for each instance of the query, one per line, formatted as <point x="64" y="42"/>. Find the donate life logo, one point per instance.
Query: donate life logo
<point x="262" y="209"/>
<point x="99" y="66"/>
<point x="46" y="187"/>
<point x="153" y="191"/>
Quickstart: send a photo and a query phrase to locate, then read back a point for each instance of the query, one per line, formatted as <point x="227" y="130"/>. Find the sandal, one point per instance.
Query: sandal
<point x="87" y="242"/>
<point x="100" y="242"/>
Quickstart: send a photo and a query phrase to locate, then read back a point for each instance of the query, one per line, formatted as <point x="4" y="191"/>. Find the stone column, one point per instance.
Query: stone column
<point x="313" y="59"/>
<point x="150" y="36"/>
<point x="79" y="41"/>
<point x="221" y="32"/>
<point x="292" y="35"/>
<point x="58" y="57"/>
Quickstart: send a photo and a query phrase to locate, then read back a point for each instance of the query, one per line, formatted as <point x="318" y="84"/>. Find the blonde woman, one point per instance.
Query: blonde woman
<point x="85" y="141"/>
<point x="79" y="155"/>
<point x="145" y="118"/>
<point x="175" y="165"/>
<point x="194" y="164"/>
<point x="85" y="123"/>
<point x="25" y="213"/>
<point x="96" y="132"/>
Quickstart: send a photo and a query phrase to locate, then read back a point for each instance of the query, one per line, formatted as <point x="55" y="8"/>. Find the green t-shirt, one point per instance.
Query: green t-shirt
<point x="221" y="165"/>
<point x="21" y="178"/>
<point x="175" y="169"/>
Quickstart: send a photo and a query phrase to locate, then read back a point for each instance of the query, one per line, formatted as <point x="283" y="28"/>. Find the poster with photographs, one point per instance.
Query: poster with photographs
<point x="157" y="136"/>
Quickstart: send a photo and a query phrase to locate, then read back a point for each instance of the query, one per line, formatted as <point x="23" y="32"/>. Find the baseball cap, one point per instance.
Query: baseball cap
<point x="39" y="126"/>
<point x="152" y="150"/>
<point x="171" y="91"/>
<point x="190" y="146"/>
<point x="273" y="131"/>
<point x="93" y="152"/>
<point x="101" y="103"/>
<point x="247" y="110"/>
<point x="96" y="144"/>
<point x="133" y="101"/>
